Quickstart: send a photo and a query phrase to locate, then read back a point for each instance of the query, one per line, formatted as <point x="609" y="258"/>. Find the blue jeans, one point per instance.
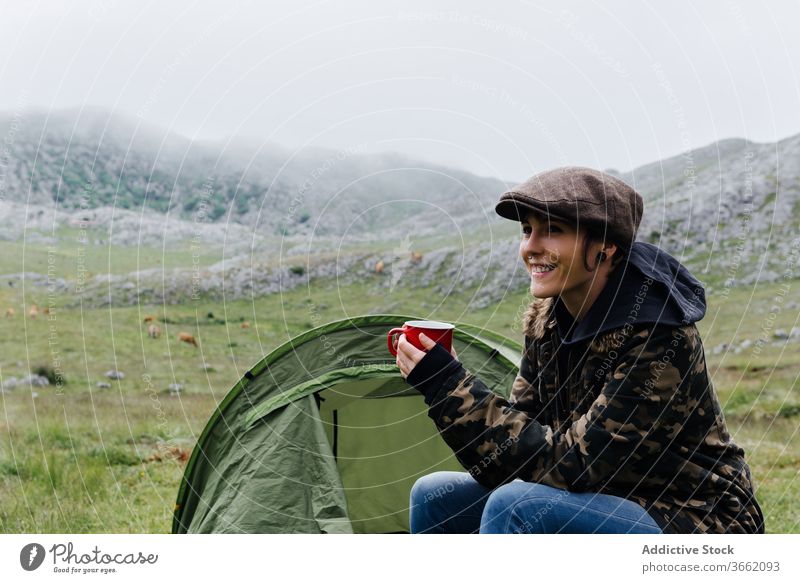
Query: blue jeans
<point x="453" y="502"/>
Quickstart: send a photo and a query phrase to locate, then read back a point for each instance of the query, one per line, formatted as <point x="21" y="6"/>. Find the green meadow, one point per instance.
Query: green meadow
<point x="77" y="458"/>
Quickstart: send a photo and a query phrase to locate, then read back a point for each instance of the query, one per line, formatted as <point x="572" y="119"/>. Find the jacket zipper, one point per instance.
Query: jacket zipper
<point x="567" y="397"/>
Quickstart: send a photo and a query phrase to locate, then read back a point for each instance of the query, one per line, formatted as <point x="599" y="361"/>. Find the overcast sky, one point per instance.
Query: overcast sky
<point x="504" y="90"/>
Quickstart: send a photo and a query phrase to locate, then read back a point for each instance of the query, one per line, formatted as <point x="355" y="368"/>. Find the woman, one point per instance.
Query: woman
<point x="613" y="425"/>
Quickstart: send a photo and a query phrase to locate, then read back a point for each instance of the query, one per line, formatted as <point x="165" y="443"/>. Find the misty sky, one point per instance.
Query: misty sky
<point x="498" y="90"/>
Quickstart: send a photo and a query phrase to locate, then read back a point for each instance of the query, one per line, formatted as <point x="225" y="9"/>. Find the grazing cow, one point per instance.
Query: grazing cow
<point x="149" y="319"/>
<point x="34" y="311"/>
<point x="171" y="453"/>
<point x="46" y="311"/>
<point x="187" y="338"/>
<point x="245" y="325"/>
<point x="416" y="256"/>
<point x="379" y="267"/>
<point x="153" y="331"/>
<point x="10" y="312"/>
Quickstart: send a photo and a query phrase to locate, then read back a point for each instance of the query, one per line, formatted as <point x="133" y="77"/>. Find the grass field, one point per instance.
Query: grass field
<point x="62" y="259"/>
<point x="85" y="459"/>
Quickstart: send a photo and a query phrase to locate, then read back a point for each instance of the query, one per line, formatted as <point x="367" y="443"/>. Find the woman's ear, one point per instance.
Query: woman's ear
<point x="610" y="250"/>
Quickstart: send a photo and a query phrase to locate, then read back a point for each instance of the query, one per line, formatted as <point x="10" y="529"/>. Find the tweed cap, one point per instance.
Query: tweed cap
<point x="582" y="196"/>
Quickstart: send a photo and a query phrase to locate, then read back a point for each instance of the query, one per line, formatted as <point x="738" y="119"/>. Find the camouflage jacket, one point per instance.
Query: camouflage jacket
<point x="641" y="421"/>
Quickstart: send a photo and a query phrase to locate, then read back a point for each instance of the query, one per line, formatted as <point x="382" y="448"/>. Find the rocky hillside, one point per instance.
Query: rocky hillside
<point x="86" y="160"/>
<point x="730" y="211"/>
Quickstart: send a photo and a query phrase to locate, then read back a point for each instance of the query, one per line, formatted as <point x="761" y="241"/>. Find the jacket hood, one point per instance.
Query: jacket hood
<point x="651" y="287"/>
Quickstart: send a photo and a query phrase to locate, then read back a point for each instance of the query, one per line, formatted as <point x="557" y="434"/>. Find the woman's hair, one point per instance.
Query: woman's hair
<point x="592" y="237"/>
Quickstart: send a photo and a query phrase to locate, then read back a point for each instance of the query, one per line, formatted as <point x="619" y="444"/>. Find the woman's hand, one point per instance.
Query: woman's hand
<point x="409" y="355"/>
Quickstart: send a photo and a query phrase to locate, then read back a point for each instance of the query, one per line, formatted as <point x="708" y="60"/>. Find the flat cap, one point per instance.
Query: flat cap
<point x="582" y="196"/>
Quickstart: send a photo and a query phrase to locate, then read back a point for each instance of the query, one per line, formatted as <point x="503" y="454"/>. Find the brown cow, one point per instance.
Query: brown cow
<point x="153" y="331"/>
<point x="46" y="311"/>
<point x="245" y="325"/>
<point x="187" y="338"/>
<point x="149" y="319"/>
<point x="171" y="453"/>
<point x="379" y="267"/>
<point x="416" y="256"/>
<point x="10" y="312"/>
<point x="34" y="311"/>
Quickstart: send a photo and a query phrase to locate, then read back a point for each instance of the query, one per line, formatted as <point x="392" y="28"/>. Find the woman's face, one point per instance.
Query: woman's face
<point x="559" y="245"/>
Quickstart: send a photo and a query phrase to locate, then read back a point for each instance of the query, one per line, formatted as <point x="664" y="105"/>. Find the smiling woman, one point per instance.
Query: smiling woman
<point x="557" y="253"/>
<point x="613" y="424"/>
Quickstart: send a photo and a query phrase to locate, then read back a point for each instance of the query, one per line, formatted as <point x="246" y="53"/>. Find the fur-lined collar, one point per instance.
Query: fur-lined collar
<point x="538" y="317"/>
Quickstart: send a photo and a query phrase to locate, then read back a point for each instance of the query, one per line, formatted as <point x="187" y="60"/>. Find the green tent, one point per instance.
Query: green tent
<point x="324" y="435"/>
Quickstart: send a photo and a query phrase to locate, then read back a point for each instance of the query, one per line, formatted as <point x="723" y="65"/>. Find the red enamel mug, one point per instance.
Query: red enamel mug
<point x="439" y="332"/>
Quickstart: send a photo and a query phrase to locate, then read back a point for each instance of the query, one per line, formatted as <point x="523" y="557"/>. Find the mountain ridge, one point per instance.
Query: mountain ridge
<point x="729" y="209"/>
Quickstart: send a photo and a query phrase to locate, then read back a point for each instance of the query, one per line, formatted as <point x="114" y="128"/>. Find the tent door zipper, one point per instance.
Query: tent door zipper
<point x="335" y="446"/>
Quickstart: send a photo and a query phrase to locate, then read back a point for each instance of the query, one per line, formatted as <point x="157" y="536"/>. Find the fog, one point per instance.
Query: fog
<point x="497" y="90"/>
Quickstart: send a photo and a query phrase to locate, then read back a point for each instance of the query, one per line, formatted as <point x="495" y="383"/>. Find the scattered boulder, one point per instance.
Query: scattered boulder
<point x="175" y="389"/>
<point x="720" y="348"/>
<point x="10" y="384"/>
<point x="31" y="380"/>
<point x="115" y="375"/>
<point x="103" y="385"/>
<point x="35" y="380"/>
